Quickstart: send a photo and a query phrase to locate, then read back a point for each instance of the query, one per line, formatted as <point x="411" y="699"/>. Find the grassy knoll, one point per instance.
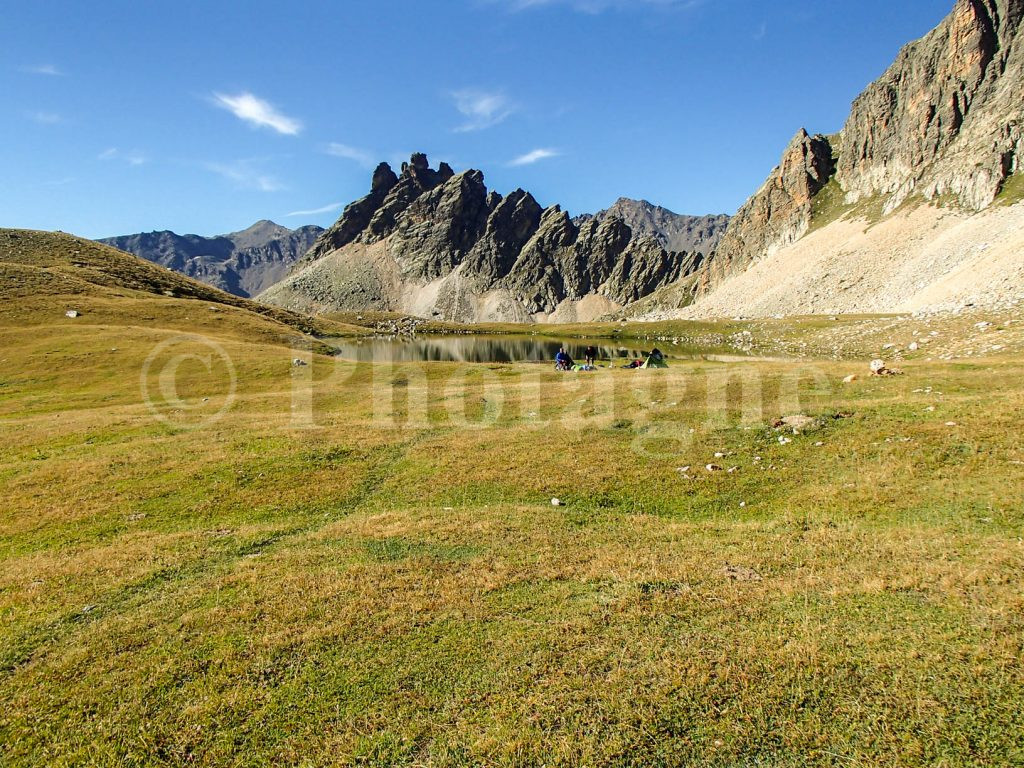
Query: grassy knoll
<point x="36" y="266"/>
<point x="361" y="565"/>
<point x="1013" y="190"/>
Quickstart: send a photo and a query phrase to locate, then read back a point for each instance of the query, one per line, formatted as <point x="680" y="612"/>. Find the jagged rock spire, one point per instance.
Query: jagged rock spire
<point x="434" y="226"/>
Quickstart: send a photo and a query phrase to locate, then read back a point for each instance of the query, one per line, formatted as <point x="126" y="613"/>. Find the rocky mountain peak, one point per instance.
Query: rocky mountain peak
<point x="263" y="224"/>
<point x="556" y="227"/>
<point x="438" y="242"/>
<point x="374" y="217"/>
<point x="257" y="234"/>
<point x="437" y="230"/>
<point x="780" y="212"/>
<point x="418" y="173"/>
<point x="807" y="165"/>
<point x="418" y="162"/>
<point x="673" y="231"/>
<point x="383" y="180"/>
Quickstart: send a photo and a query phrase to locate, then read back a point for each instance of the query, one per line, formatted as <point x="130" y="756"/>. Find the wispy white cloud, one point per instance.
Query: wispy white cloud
<point x="761" y="31"/>
<point x="535" y="157"/>
<point x="361" y="156"/>
<point x="130" y="156"/>
<point x="482" y="109"/>
<point x="599" y="6"/>
<point x="315" y="211"/>
<point x="44" y="118"/>
<point x="252" y="109"/>
<point x="41" y="69"/>
<point x="246" y="175"/>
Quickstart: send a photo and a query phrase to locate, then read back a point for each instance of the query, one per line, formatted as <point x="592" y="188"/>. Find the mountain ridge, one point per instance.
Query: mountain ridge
<point x="675" y="231"/>
<point x="243" y="263"/>
<point x="437" y="243"/>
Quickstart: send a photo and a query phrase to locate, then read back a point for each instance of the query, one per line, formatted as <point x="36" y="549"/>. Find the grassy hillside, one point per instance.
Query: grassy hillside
<point x="341" y="564"/>
<point x="44" y="274"/>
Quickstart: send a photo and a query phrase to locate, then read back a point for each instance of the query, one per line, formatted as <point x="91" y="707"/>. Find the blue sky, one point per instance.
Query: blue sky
<point x="120" y="117"/>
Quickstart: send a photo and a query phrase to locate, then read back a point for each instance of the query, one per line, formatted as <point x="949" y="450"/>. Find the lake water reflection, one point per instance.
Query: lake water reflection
<point x="502" y="349"/>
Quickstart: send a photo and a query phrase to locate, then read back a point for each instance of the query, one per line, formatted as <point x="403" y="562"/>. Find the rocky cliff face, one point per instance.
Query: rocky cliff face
<point x="946" y="118"/>
<point x="779" y="213"/>
<point x="944" y="121"/>
<point x="243" y="263"/>
<point x="433" y="242"/>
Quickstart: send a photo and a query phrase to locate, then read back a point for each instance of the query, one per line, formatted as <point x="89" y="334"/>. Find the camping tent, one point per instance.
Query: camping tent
<point x="654" y="362"/>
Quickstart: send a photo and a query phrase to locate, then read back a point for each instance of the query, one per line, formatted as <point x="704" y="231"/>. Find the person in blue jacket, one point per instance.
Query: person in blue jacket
<point x="562" y="360"/>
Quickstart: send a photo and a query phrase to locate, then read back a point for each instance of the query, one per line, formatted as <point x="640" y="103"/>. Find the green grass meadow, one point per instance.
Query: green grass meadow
<point x="263" y="564"/>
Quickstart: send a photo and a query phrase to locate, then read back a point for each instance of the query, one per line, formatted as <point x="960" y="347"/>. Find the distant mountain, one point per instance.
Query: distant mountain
<point x="436" y="243"/>
<point x="675" y="231"/>
<point x="243" y="263"/>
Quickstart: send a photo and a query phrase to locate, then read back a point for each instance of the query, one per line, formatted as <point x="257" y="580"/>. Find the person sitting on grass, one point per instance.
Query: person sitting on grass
<point x="562" y="360"/>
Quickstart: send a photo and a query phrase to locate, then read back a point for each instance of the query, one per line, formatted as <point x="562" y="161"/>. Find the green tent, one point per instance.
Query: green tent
<point x="654" y="362"/>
